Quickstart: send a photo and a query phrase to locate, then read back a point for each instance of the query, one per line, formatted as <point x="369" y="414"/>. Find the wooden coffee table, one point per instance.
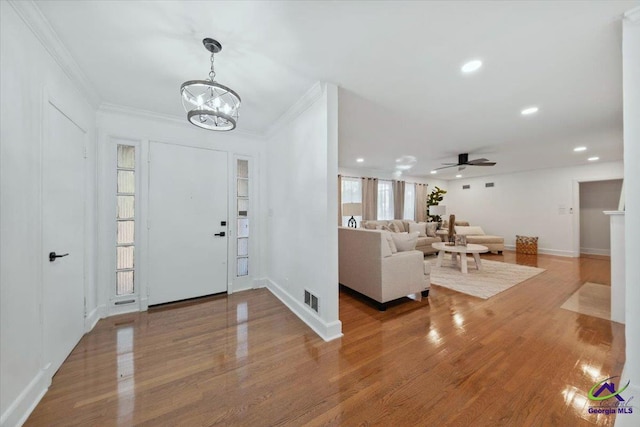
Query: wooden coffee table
<point x="476" y="250"/>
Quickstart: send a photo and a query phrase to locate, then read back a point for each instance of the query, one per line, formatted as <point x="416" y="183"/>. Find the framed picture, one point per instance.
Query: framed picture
<point x="461" y="240"/>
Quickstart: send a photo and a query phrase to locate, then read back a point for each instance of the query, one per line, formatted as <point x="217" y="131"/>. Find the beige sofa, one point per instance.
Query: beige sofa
<point x="477" y="236"/>
<point x="367" y="266"/>
<point x="424" y="243"/>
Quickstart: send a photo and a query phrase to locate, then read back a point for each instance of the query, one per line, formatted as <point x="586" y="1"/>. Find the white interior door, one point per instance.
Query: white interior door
<point x="187" y="203"/>
<point x="63" y="233"/>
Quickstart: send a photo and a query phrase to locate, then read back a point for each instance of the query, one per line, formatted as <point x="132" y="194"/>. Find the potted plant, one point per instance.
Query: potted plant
<point x="433" y="199"/>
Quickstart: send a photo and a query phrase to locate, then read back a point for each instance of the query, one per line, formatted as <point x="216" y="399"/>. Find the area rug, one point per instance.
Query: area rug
<point x="592" y="299"/>
<point x="494" y="277"/>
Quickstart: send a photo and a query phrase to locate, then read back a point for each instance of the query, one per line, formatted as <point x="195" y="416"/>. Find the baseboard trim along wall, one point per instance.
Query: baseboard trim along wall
<point x="20" y="409"/>
<point x="93" y="317"/>
<point x="327" y="331"/>
<point x="547" y="251"/>
<point x="595" y="251"/>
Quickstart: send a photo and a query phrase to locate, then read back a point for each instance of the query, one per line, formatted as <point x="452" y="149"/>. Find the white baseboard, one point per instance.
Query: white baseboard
<point x="93" y="317"/>
<point x="260" y="283"/>
<point x="326" y="331"/>
<point x="547" y="251"/>
<point x="114" y="310"/>
<point x="20" y="409"/>
<point x="144" y="304"/>
<point x="595" y="251"/>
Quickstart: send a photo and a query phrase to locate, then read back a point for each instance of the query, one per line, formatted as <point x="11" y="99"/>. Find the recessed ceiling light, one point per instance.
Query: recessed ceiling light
<point x="579" y="149"/>
<point x="360" y="160"/>
<point x="593" y="159"/>
<point x="434" y="172"/>
<point x="529" y="110"/>
<point x="458" y="176"/>
<point x="471" y="66"/>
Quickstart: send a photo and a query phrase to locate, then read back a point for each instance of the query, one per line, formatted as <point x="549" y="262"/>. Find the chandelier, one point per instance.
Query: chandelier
<point x="209" y="104"/>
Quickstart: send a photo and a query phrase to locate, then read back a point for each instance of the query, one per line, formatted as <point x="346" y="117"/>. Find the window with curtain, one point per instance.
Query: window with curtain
<point x="385" y="200"/>
<point x="409" y="201"/>
<point x="351" y="193"/>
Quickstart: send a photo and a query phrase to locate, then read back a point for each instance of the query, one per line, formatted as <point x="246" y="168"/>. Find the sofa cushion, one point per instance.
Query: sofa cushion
<point x="445" y="223"/>
<point x="480" y="239"/>
<point x="431" y="229"/>
<point x="420" y="227"/>
<point x="385" y="247"/>
<point x="397" y="226"/>
<point x="469" y="230"/>
<point x="390" y="243"/>
<point x="405" y="241"/>
<point x="371" y="225"/>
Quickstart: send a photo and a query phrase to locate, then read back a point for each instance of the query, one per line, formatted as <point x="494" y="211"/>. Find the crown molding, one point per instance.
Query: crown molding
<point x="107" y="107"/>
<point x="306" y="101"/>
<point x="632" y="15"/>
<point x="41" y="28"/>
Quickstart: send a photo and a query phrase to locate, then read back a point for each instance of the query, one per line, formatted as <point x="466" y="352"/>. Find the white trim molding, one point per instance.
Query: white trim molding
<point x="20" y="409"/>
<point x="632" y="15"/>
<point x="44" y="32"/>
<point x="107" y="107"/>
<point x="327" y="331"/>
<point x="306" y="101"/>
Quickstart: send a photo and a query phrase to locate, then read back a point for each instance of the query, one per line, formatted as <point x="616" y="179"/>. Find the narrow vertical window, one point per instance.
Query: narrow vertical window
<point x="125" y="213"/>
<point x="409" y="201"/>
<point x="242" y="217"/>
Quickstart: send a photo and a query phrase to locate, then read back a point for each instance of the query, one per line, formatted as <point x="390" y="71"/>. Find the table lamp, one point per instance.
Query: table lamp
<point x="352" y="209"/>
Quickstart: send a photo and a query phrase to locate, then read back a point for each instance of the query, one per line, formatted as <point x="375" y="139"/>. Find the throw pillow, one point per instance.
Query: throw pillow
<point x="395" y="228"/>
<point x="405" y="241"/>
<point x="383" y="227"/>
<point x="420" y="227"/>
<point x="392" y="246"/>
<point x="399" y="225"/>
<point x="469" y="230"/>
<point x="432" y="227"/>
<point x="369" y="225"/>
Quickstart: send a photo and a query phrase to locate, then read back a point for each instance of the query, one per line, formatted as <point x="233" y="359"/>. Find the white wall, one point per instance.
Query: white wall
<point x="30" y="77"/>
<point x="595" y="230"/>
<point x="631" y="91"/>
<point x="302" y="248"/>
<point x="122" y="125"/>
<point x="534" y="203"/>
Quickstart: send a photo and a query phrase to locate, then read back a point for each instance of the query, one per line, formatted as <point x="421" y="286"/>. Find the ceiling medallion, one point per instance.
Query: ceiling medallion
<point x="209" y="104"/>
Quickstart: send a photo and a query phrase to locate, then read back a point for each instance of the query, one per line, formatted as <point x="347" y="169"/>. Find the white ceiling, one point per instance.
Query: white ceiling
<point x="397" y="65"/>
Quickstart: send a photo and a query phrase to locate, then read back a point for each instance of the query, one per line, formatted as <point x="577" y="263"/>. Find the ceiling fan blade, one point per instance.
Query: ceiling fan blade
<point x="483" y="164"/>
<point x="445" y="167"/>
<point x="474" y="161"/>
<point x="462" y="167"/>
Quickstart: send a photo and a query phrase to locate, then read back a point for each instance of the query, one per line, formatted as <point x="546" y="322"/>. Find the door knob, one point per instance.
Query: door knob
<point x="53" y="256"/>
<point x="221" y="234"/>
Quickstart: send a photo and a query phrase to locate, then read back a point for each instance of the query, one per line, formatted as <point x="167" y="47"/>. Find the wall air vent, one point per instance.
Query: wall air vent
<point x="311" y="300"/>
<point x="489" y="184"/>
<point x="466" y="186"/>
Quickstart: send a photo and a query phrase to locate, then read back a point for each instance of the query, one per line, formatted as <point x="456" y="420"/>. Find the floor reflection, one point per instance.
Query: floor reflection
<point x="125" y="374"/>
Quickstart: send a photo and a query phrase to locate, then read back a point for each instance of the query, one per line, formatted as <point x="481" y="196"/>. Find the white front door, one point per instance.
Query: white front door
<point x="187" y="203"/>
<point x="63" y="233"/>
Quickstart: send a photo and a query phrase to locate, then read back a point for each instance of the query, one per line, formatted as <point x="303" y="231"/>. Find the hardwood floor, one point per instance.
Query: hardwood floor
<point x="452" y="359"/>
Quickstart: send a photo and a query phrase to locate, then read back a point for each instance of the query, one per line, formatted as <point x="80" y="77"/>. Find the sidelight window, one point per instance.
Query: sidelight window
<point x="242" y="217"/>
<point x="125" y="218"/>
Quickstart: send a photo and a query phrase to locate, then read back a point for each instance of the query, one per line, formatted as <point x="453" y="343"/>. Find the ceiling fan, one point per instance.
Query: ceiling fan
<point x="463" y="162"/>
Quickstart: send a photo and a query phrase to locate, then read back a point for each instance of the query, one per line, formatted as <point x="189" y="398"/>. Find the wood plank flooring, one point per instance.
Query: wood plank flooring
<point x="516" y="359"/>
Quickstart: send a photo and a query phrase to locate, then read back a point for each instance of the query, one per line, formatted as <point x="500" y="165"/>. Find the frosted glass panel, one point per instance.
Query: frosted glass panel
<point x="126" y="156"/>
<point x="243" y="266"/>
<point x="243" y="246"/>
<point x="124" y="257"/>
<point x="124" y="282"/>
<point x="125" y="207"/>
<point x="243" y="168"/>
<point x="243" y="228"/>
<point x="243" y="188"/>
<point x="243" y="207"/>
<point x="126" y="182"/>
<point x="125" y="232"/>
